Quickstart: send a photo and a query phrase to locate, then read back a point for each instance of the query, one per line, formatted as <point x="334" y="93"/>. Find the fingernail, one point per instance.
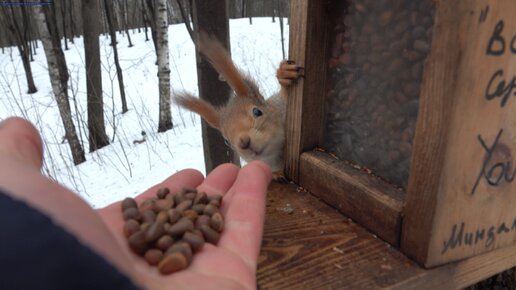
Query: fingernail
<point x="264" y="166"/>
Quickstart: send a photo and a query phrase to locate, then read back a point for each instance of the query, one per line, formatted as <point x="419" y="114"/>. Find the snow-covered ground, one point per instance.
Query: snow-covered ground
<point x="123" y="168"/>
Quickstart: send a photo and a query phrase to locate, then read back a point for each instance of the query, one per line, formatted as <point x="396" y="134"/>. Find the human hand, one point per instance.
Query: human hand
<point x="232" y="263"/>
<point x="229" y="265"/>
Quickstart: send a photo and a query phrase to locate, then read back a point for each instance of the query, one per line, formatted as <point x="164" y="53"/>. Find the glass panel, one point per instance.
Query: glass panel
<point x="375" y="69"/>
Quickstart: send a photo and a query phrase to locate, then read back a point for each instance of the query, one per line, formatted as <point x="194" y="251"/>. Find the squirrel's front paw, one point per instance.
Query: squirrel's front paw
<point x="288" y="73"/>
<point x="279" y="177"/>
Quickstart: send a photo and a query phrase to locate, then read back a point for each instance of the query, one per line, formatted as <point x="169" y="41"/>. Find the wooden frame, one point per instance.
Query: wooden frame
<point x="369" y="201"/>
<point x="419" y="219"/>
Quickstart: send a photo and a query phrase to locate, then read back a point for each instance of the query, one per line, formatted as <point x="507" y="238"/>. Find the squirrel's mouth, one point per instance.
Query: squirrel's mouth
<point x="256" y="152"/>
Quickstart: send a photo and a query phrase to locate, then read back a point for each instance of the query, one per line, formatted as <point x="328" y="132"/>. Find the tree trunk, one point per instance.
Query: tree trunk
<point x="112" y="32"/>
<point x="151" y="20"/>
<point x="63" y="16"/>
<point x="23" y="47"/>
<point x="145" y="20"/>
<point x="115" y="17"/>
<point x="135" y="20"/>
<point x="72" y="22"/>
<point x="91" y="30"/>
<point x="235" y="8"/>
<point x="211" y="16"/>
<point x="58" y="73"/>
<point x="26" y="28"/>
<point x="186" y="19"/>
<point x="161" y="25"/>
<point x="32" y="50"/>
<point x="3" y="40"/>
<point x="124" y="17"/>
<point x="104" y="29"/>
<point x="281" y="28"/>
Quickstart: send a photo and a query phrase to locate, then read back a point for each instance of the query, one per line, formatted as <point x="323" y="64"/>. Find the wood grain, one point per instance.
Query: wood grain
<point x="309" y="245"/>
<point x="430" y="137"/>
<point x="448" y="155"/>
<point x="308" y="47"/>
<point x="371" y="202"/>
<point x="458" y="275"/>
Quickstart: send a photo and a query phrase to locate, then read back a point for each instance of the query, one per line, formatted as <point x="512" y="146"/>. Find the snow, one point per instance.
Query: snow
<point x="123" y="168"/>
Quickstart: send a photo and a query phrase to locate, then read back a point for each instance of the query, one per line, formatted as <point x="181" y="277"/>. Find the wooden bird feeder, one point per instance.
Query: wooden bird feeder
<point x="406" y="123"/>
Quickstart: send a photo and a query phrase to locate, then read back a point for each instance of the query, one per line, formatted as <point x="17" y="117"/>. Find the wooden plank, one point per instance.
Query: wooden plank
<point x="461" y="200"/>
<point x="212" y="16"/>
<point x="308" y="245"/>
<point x="308" y="47"/>
<point x="366" y="199"/>
<point x="430" y="137"/>
<point x="458" y="275"/>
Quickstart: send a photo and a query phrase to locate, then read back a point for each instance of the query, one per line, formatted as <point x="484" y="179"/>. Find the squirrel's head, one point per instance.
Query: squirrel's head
<point x="252" y="126"/>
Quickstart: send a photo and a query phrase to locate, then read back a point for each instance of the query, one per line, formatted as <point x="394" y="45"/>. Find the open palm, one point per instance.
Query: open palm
<point x="232" y="263"/>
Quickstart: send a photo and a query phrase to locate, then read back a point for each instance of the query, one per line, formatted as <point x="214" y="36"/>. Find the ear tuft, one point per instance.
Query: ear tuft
<point x="221" y="61"/>
<point x="209" y="113"/>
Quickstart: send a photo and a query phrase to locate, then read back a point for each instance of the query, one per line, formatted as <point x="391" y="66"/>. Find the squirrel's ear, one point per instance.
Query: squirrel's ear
<point x="221" y="61"/>
<point x="209" y="113"/>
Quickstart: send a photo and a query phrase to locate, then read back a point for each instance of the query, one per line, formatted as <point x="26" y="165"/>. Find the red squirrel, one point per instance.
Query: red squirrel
<point x="253" y="126"/>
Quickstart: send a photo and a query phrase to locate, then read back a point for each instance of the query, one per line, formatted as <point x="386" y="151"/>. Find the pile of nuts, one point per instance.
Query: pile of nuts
<point x="375" y="70"/>
<point x="167" y="229"/>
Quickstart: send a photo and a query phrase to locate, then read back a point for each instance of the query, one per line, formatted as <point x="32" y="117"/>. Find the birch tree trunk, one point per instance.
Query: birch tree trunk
<point x="91" y="30"/>
<point x="58" y="72"/>
<point x="165" y="115"/>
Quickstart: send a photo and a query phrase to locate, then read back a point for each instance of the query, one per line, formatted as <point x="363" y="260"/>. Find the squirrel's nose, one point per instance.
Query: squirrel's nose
<point x="245" y="142"/>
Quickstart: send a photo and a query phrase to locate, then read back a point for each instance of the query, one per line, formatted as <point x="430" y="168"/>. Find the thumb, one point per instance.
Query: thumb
<point x="20" y="140"/>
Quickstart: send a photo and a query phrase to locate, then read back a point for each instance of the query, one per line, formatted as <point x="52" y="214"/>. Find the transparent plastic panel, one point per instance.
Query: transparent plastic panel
<point x="378" y="52"/>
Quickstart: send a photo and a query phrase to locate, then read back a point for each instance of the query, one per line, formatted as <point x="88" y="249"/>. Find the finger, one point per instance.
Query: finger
<point x="19" y="139"/>
<point x="285" y="74"/>
<point x="290" y="67"/>
<point x="229" y="195"/>
<point x="245" y="211"/>
<point x="220" y="180"/>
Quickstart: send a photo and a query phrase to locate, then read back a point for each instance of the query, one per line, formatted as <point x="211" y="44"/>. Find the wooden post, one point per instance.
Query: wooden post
<point x="211" y="16"/>
<point x="305" y="114"/>
<point x="461" y="198"/>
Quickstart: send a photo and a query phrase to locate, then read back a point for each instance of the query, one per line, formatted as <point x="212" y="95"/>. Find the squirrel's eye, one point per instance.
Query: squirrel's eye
<point x="227" y="142"/>
<point x="257" y="112"/>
